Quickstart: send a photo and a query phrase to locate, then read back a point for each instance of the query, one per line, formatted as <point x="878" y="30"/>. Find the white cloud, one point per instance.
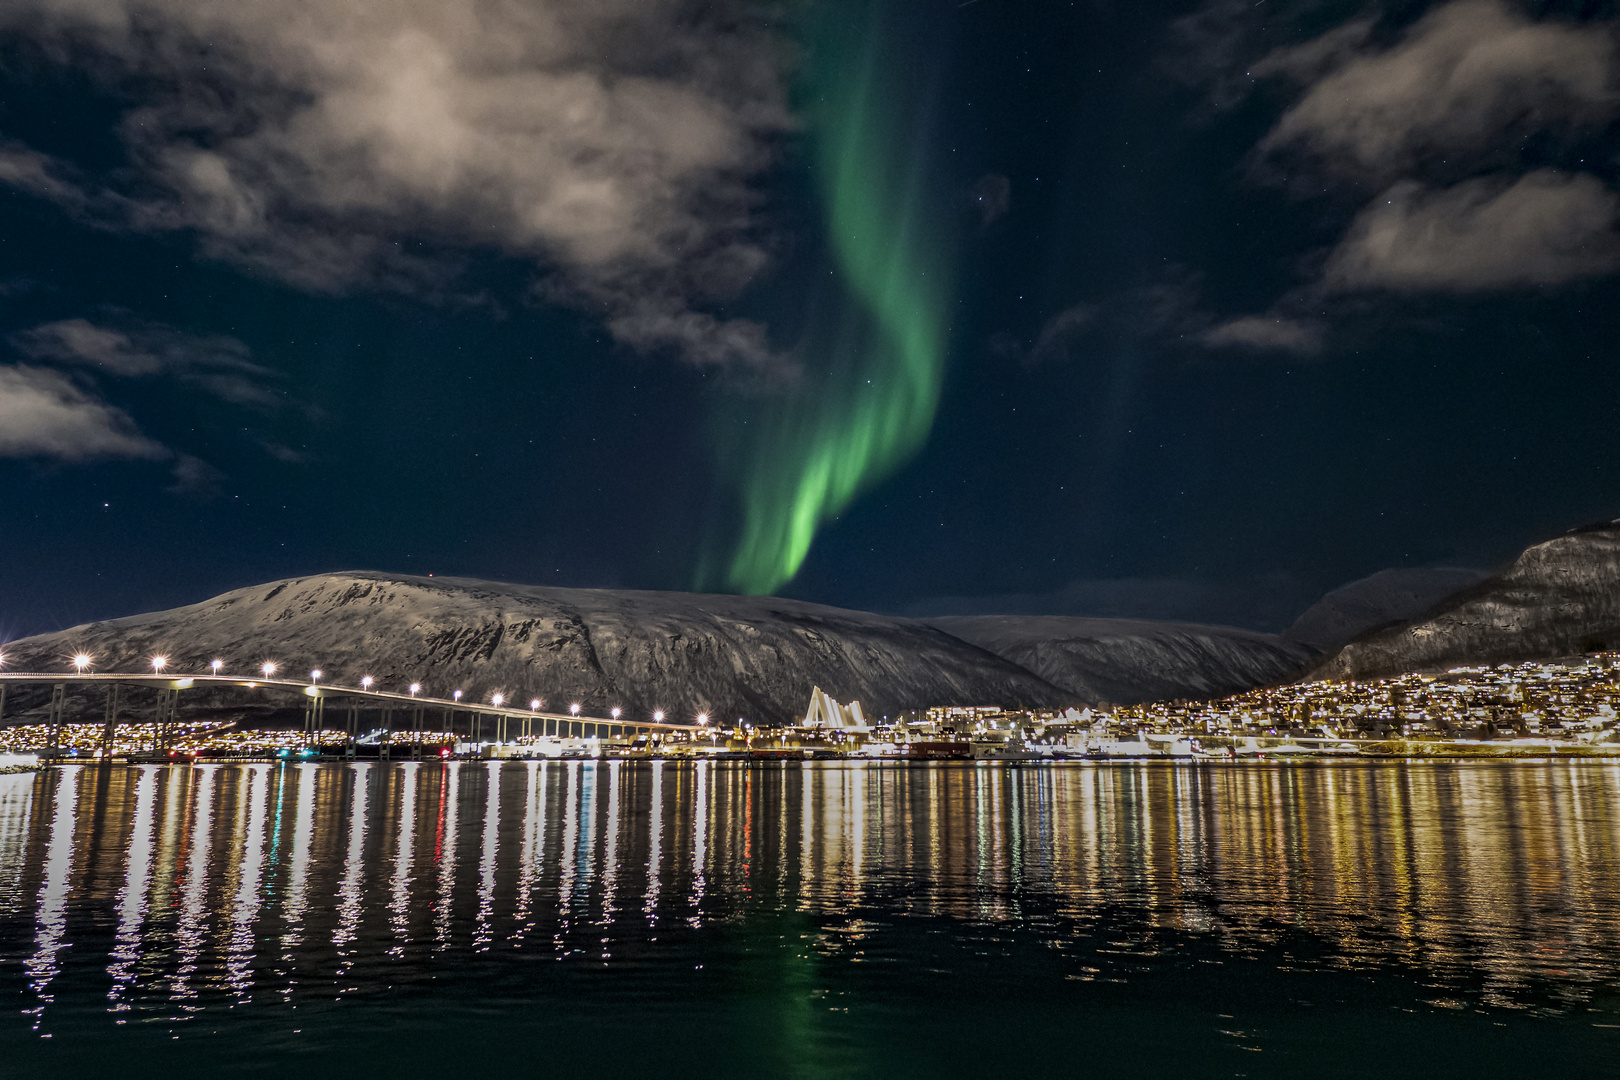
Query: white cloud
<point x="1547" y="228"/>
<point x="82" y="341"/>
<point x="1168" y="315"/>
<point x="1266" y="332"/>
<point x="32" y="171"/>
<point x="1163" y="313"/>
<point x="611" y="140"/>
<point x="194" y="476"/>
<point x="218" y="364"/>
<point x="43" y="414"/>
<point x="1458" y="80"/>
<point x="1451" y="98"/>
<point x="1064" y="331"/>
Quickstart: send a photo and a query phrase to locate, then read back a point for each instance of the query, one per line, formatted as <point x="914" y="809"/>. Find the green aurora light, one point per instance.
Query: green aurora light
<point x="870" y="403"/>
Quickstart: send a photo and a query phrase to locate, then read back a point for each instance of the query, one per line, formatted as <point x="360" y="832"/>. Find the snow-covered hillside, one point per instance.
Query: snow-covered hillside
<point x="730" y="656"/>
<point x="1558" y="598"/>
<point x="1125" y="661"/>
<point x="1377" y="600"/>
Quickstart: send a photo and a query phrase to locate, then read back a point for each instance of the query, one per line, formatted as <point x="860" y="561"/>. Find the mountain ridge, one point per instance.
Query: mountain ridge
<point x="685" y="653"/>
<point x="1377" y="600"/>
<point x="1128" y="661"/>
<point x="1559" y="597"/>
<point x="754" y="658"/>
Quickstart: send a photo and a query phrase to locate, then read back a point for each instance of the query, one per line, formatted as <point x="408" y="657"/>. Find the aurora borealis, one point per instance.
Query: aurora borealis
<point x="875" y="350"/>
<point x="1190" y="310"/>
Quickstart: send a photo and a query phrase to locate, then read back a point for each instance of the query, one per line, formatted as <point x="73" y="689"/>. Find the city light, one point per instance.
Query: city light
<point x="215" y="665"/>
<point x="268" y="667"/>
<point x="1542" y="708"/>
<point x="365" y="683"/>
<point x="82" y="661"/>
<point x="1481" y="705"/>
<point x="315" y="676"/>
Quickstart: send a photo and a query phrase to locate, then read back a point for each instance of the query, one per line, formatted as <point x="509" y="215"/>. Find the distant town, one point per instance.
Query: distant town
<point x="1573" y="701"/>
<point x="1553" y="707"/>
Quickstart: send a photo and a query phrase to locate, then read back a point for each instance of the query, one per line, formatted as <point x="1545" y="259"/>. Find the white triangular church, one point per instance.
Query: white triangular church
<point x="825" y="712"/>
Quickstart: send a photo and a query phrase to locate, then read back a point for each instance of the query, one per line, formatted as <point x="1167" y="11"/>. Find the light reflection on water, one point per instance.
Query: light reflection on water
<point x="159" y="893"/>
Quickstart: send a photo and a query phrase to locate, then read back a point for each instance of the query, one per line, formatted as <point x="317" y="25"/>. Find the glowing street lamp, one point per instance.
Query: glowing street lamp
<point x="535" y="704"/>
<point x="416" y="688"/>
<point x="615" y="711"/>
<point x="365" y="683"/>
<point x="159" y="663"/>
<point x="82" y="661"/>
<point x="703" y="718"/>
<point x="215" y="665"/>
<point x="498" y="700"/>
<point x="456" y="695"/>
<point x="574" y="708"/>
<point x="658" y="716"/>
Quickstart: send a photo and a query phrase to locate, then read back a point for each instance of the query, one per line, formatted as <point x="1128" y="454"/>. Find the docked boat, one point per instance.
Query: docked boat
<point x="1001" y="750"/>
<point x="936" y="751"/>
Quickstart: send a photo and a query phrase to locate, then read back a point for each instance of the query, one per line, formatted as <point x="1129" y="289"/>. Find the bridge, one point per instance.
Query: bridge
<point x="504" y="719"/>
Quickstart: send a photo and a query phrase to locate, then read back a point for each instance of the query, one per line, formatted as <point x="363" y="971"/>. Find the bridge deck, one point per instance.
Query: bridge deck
<point x="386" y="698"/>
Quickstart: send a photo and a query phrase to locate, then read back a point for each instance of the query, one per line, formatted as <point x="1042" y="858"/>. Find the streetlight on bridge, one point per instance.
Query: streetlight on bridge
<point x="365" y="683"/>
<point x="82" y="661"/>
<point x="215" y="665"/>
<point x="416" y="688"/>
<point x="159" y="663"/>
<point x="268" y="667"/>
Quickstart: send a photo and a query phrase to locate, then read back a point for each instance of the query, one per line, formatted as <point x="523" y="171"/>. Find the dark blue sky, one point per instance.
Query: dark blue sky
<point x="1249" y="300"/>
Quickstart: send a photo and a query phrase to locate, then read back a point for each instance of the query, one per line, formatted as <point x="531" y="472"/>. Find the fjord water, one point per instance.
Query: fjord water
<point x="817" y="919"/>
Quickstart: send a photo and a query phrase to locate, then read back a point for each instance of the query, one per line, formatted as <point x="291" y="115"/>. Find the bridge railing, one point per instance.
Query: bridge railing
<point x="506" y="722"/>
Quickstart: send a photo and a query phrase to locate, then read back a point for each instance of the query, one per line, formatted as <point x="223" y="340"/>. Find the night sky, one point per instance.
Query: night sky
<point x="1172" y="311"/>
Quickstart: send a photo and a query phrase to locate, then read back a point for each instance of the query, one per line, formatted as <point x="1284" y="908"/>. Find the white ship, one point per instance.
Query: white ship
<point x="984" y="749"/>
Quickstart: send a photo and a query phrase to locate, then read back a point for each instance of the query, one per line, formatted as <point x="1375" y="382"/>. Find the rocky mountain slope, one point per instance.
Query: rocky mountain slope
<point x="1124" y="661"/>
<point x="730" y="656"/>
<point x="1558" y="598"/>
<point x="1388" y="596"/>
